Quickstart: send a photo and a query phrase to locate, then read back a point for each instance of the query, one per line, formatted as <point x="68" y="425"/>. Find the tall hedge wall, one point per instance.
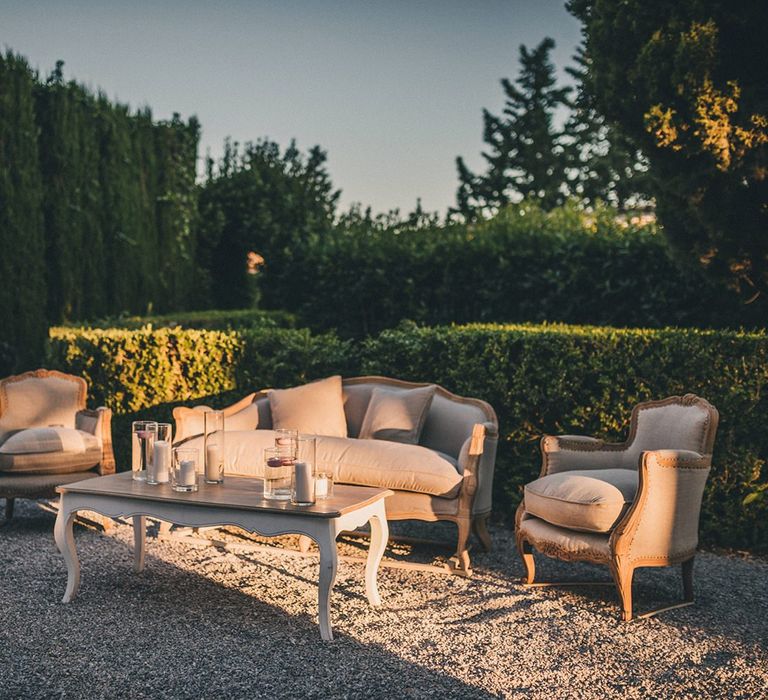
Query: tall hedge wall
<point x="540" y="379"/>
<point x="97" y="209"/>
<point x="23" y="323"/>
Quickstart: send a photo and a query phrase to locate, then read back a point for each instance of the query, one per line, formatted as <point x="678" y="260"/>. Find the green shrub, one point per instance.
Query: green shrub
<point x="524" y="265"/>
<point x="539" y="378"/>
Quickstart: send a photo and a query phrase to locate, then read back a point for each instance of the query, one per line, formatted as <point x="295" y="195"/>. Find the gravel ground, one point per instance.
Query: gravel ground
<point x="206" y="622"/>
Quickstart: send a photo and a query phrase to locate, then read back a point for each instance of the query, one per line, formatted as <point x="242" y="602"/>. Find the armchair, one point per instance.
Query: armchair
<point x="627" y="505"/>
<point x="48" y="437"/>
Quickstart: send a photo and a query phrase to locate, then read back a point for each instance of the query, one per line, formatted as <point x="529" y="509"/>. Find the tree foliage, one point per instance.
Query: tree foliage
<point x="686" y="82"/>
<point x="263" y="200"/>
<point x="532" y="157"/>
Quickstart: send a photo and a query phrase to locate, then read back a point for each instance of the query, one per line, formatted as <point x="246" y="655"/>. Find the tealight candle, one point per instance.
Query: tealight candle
<point x="187" y="472"/>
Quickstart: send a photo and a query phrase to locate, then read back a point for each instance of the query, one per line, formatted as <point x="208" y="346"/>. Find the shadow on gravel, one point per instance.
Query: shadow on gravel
<point x="170" y="632"/>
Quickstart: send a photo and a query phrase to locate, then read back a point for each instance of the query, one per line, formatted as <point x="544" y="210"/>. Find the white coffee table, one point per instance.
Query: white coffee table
<point x="239" y="501"/>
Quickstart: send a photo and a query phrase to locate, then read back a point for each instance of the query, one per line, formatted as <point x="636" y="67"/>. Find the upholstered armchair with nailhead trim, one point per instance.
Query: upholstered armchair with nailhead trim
<point x="48" y="437"/>
<point x="627" y="505"/>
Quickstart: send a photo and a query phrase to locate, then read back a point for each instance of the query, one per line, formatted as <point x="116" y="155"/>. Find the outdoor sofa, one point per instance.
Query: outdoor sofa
<point x="434" y="449"/>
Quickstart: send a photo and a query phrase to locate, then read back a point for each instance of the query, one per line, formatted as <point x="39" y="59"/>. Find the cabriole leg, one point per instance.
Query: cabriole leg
<point x="526" y="554"/>
<point x="328" y="565"/>
<point x="481" y="530"/>
<point x="139" y="541"/>
<point x="622" y="575"/>
<point x="688" y="580"/>
<point x="379" y="537"/>
<point x="65" y="541"/>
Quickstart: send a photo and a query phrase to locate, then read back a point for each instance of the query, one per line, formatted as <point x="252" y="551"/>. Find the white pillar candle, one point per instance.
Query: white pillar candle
<point x="187" y="473"/>
<point x="303" y="482"/>
<point x="212" y="462"/>
<point x="161" y="461"/>
<point x="321" y="486"/>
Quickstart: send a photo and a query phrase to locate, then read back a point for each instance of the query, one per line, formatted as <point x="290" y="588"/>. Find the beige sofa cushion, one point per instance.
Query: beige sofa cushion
<point x="589" y="500"/>
<point x="37" y="440"/>
<point x="363" y="462"/>
<point x="49" y="451"/>
<point x="245" y="419"/>
<point x="397" y="414"/>
<point x="316" y="408"/>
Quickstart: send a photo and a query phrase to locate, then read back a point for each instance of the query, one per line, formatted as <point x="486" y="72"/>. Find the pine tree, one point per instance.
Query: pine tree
<point x="527" y="153"/>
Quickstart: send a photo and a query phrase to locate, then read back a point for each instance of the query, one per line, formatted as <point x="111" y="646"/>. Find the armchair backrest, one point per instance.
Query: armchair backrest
<point x="40" y="399"/>
<point x="675" y="423"/>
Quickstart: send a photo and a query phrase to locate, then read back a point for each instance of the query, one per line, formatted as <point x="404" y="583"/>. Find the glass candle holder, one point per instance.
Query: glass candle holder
<point x="214" y="447"/>
<point x="183" y="471"/>
<point x="160" y="468"/>
<point x="143" y="435"/>
<point x="303" y="481"/>
<point x="323" y="483"/>
<point x="277" y="475"/>
<point x="286" y="441"/>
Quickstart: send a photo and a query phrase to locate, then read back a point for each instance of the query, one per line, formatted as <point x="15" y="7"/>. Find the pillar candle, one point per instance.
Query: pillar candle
<point x="212" y="462"/>
<point x="161" y="461"/>
<point x="187" y="473"/>
<point x="321" y="486"/>
<point x="303" y="483"/>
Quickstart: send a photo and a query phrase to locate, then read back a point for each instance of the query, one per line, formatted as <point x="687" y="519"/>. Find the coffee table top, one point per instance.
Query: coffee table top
<point x="242" y="492"/>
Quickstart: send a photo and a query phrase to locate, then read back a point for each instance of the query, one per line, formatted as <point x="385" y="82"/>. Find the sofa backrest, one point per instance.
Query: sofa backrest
<point x="449" y="421"/>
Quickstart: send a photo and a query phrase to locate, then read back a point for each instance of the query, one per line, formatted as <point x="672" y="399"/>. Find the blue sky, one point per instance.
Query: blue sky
<point x="392" y="90"/>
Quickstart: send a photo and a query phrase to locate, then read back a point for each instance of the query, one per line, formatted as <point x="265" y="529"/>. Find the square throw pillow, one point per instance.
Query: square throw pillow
<point x="316" y="408"/>
<point x="397" y="414"/>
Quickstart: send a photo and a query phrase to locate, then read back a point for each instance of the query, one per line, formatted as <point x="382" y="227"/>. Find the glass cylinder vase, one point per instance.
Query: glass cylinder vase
<point x="143" y="435"/>
<point x="303" y="478"/>
<point x="277" y="474"/>
<point x="214" y="447"/>
<point x="159" y="469"/>
<point x="184" y="469"/>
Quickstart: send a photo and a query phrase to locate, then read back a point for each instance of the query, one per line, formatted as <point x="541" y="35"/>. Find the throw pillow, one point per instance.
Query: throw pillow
<point x="316" y="408"/>
<point x="397" y="414"/>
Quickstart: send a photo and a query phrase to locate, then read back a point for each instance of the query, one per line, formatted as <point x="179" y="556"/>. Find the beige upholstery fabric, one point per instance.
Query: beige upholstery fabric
<point x="563" y="543"/>
<point x="672" y="427"/>
<point x="584" y="500"/>
<point x="668" y="522"/>
<point x="390" y="465"/>
<point x="315" y="409"/>
<point x="245" y="419"/>
<point x="419" y="506"/>
<point x="449" y="422"/>
<point x="40" y="440"/>
<point x="356" y="399"/>
<point x="397" y="414"/>
<point x="41" y="402"/>
<point x="51" y="462"/>
<point x="363" y="462"/>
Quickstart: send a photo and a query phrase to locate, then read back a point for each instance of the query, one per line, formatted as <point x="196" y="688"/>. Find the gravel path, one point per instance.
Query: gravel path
<point x="202" y="622"/>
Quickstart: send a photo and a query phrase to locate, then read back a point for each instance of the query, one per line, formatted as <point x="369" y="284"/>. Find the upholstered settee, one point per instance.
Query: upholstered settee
<point x="442" y="469"/>
<point x="48" y="437"/>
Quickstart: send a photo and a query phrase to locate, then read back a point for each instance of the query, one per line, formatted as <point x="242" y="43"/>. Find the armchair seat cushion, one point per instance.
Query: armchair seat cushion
<point x="49" y="451"/>
<point x="588" y="500"/>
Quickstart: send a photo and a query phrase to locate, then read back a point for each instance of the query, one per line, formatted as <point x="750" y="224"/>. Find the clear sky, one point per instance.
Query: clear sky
<point x="392" y="90"/>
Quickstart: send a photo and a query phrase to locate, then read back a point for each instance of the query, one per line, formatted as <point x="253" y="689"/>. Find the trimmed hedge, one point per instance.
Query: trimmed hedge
<point x="540" y="379"/>
<point x="213" y="319"/>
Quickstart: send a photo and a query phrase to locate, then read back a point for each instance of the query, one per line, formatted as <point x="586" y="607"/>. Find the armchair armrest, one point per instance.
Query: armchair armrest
<point x="567" y="452"/>
<point x="98" y="422"/>
<point x="662" y="525"/>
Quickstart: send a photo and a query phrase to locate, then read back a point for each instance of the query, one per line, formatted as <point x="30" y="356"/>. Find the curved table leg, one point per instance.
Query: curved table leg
<point x="379" y="537"/>
<point x="139" y="542"/>
<point x="65" y="541"/>
<point x="328" y="564"/>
